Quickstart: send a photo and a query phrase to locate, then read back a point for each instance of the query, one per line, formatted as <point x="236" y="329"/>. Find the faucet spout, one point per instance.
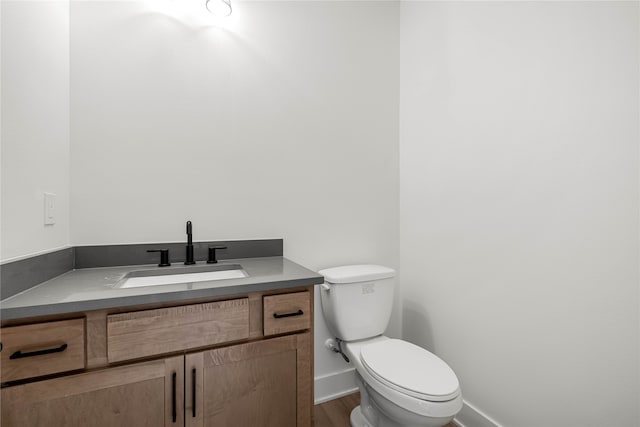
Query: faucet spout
<point x="189" y="258"/>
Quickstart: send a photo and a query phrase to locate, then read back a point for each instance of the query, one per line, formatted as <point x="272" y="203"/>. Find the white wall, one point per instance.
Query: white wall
<point x="283" y="124"/>
<point x="35" y="125"/>
<point x="519" y="206"/>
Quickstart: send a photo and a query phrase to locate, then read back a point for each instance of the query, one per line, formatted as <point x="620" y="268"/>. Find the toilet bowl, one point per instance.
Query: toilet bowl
<point x="401" y="384"/>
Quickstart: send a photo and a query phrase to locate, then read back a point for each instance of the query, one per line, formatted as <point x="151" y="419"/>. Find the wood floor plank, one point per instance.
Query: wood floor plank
<point x="335" y="412"/>
<point x="320" y="417"/>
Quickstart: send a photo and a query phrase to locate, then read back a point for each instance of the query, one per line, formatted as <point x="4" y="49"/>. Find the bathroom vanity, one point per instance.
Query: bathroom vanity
<point x="231" y="352"/>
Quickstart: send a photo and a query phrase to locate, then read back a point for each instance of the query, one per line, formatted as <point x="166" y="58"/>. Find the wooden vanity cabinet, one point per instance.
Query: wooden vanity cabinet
<point x="261" y="374"/>
<point x="146" y="333"/>
<point x="261" y="383"/>
<point x="140" y="394"/>
<point x="42" y="349"/>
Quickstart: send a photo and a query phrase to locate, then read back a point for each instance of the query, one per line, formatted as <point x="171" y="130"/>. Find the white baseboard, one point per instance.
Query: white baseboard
<point x="334" y="385"/>
<point x="470" y="416"/>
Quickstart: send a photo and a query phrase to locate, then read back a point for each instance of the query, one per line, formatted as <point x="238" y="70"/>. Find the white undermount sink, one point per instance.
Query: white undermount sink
<point x="174" y="276"/>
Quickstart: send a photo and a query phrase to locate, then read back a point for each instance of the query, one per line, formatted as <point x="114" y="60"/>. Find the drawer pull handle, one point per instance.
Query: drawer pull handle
<point x="19" y="354"/>
<point x="174" y="412"/>
<point x="193" y="392"/>
<point x="280" y="316"/>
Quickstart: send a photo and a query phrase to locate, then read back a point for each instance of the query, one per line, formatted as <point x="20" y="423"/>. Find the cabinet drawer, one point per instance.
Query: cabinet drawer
<point x="286" y="313"/>
<point x="150" y="332"/>
<point x="42" y="349"/>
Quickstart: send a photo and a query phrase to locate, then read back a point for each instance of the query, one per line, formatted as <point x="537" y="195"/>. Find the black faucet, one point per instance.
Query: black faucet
<point x="189" y="260"/>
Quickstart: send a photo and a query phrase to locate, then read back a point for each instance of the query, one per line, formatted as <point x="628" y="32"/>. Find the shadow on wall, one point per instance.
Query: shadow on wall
<point x="416" y="327"/>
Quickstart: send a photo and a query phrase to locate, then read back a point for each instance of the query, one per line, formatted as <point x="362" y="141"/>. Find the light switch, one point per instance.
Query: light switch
<point x="49" y="208"/>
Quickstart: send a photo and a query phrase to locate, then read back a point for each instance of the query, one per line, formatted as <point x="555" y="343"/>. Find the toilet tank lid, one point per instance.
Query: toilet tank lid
<point x="356" y="273"/>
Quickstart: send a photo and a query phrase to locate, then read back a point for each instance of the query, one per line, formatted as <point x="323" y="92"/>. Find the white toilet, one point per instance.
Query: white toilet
<point x="400" y="383"/>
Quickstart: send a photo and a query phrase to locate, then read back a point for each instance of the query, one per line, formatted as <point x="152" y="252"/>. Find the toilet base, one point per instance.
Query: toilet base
<point x="357" y="419"/>
<point x="375" y="410"/>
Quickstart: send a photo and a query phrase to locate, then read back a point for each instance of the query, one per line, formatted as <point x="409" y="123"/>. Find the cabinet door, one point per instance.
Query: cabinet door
<point x="142" y="394"/>
<point x="263" y="383"/>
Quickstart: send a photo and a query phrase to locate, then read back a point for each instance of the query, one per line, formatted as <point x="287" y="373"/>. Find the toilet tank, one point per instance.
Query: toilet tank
<point x="357" y="300"/>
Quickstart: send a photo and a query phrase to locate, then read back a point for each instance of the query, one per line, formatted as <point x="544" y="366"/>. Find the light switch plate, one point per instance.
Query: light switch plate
<point x="49" y="208"/>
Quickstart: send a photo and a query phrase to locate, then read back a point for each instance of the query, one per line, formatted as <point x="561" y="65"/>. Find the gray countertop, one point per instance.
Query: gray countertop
<point x="95" y="288"/>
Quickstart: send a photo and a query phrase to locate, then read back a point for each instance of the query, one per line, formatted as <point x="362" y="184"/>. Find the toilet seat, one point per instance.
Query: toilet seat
<point x="400" y="398"/>
<point x="410" y="369"/>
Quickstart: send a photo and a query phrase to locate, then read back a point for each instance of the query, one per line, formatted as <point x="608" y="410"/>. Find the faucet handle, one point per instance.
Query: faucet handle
<point x="164" y="257"/>
<point x="211" y="259"/>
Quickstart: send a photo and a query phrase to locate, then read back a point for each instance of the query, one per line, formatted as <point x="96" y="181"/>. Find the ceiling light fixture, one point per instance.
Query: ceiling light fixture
<point x="219" y="7"/>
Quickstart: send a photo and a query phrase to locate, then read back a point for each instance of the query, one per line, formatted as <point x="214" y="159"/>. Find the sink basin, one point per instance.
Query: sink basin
<point x="174" y="276"/>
